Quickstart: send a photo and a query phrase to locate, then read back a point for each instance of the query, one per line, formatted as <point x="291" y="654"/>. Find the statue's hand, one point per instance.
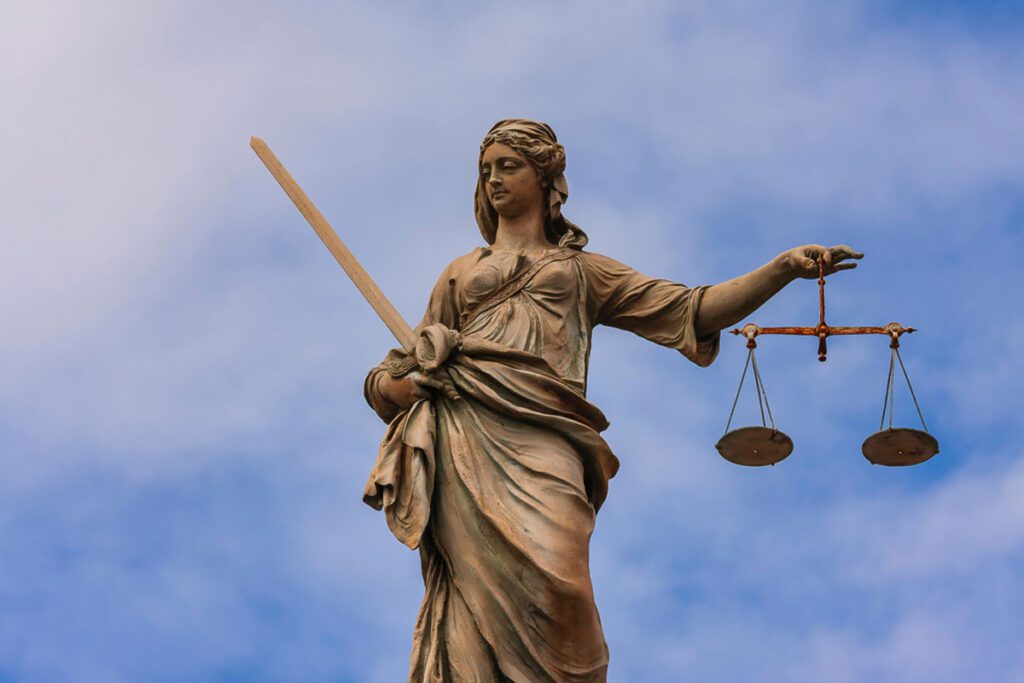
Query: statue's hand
<point x="803" y="261"/>
<point x="406" y="390"/>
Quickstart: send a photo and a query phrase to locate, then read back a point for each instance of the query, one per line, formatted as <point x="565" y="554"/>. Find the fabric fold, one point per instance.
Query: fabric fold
<point x="499" y="488"/>
<point x="402" y="481"/>
<point x="516" y="384"/>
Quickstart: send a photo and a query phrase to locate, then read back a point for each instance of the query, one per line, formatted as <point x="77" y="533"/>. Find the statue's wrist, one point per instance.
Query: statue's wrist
<point x="386" y="385"/>
<point x="377" y="397"/>
<point x="782" y="268"/>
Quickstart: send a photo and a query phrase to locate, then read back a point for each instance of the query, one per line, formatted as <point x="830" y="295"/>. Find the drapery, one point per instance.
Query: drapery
<point x="499" y="489"/>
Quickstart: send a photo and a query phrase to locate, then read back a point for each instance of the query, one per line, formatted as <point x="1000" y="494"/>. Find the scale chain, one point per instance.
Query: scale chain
<point x="911" y="387"/>
<point x="892" y="390"/>
<point x="757" y="384"/>
<point x="764" y="391"/>
<point x="886" y="403"/>
<point x="738" y="390"/>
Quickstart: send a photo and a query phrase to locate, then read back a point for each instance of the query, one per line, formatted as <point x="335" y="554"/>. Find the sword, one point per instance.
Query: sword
<point x="369" y="289"/>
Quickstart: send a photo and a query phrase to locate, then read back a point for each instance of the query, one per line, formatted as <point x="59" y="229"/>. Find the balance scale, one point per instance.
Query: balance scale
<point x="766" y="445"/>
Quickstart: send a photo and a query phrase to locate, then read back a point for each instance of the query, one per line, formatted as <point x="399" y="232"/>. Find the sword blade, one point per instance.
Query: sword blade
<point x="362" y="280"/>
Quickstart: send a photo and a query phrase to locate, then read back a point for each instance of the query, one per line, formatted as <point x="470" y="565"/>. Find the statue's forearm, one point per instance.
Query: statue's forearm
<point x="377" y="397"/>
<point x="729" y="302"/>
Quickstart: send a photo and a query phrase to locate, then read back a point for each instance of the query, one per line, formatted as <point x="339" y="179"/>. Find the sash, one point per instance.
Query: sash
<point x="398" y="367"/>
<point x="513" y="286"/>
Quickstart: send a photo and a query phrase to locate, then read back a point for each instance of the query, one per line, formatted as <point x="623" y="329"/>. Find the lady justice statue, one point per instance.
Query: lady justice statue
<point x="493" y="463"/>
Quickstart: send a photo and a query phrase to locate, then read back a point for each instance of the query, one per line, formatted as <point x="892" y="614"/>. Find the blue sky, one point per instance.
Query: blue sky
<point x="183" y="440"/>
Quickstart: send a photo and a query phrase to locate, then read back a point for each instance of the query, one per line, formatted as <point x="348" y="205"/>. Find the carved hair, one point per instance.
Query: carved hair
<point x="546" y="155"/>
<point x="536" y="141"/>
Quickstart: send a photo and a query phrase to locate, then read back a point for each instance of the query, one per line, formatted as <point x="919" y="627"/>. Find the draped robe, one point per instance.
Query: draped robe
<point x="499" y="489"/>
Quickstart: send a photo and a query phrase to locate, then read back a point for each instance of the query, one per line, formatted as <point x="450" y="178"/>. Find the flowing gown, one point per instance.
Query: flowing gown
<point x="499" y="489"/>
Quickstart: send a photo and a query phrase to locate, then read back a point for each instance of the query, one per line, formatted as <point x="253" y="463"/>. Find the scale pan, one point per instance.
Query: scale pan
<point x="754" y="446"/>
<point x="899" y="447"/>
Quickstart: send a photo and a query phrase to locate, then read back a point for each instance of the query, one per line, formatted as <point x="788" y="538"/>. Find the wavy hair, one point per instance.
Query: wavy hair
<point x="536" y="141"/>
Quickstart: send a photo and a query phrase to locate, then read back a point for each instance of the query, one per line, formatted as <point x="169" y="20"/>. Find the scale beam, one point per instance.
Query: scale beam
<point x="822" y="330"/>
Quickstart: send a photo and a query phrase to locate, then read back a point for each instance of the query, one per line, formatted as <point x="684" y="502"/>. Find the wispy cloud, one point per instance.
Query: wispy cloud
<point x="182" y="434"/>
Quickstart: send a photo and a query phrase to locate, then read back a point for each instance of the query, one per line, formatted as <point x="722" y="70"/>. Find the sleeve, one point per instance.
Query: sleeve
<point x="661" y="311"/>
<point x="441" y="308"/>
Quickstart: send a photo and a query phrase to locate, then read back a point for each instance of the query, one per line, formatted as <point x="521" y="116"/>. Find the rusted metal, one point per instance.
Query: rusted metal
<point x="755" y="446"/>
<point x="756" y="330"/>
<point x="823" y="330"/>
<point x="821" y="291"/>
<point x="898" y="447"/>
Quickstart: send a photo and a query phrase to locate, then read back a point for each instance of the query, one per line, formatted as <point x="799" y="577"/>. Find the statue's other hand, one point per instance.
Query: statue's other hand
<point x="803" y="261"/>
<point x="406" y="390"/>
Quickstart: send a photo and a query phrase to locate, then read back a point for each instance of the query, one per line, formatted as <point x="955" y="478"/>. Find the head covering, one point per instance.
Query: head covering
<point x="537" y="142"/>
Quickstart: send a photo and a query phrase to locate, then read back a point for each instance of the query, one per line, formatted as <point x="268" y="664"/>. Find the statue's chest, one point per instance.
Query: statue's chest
<point x="556" y="280"/>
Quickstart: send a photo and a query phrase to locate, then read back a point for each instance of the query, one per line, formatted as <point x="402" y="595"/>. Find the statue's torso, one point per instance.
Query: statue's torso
<point x="547" y="317"/>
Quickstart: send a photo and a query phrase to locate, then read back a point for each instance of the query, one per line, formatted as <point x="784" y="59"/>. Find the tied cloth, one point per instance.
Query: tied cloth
<point x="402" y="482"/>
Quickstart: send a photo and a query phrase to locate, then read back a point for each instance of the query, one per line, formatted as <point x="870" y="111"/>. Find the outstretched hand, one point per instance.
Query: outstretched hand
<point x="803" y="261"/>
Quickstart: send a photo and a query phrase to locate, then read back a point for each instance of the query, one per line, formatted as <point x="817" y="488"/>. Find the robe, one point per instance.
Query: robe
<point x="499" y="489"/>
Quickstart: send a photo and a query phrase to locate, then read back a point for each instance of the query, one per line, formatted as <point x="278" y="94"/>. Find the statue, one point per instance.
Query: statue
<point x="492" y="464"/>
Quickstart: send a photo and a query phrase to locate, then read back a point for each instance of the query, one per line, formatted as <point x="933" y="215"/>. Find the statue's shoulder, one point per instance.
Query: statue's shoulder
<point x="596" y="260"/>
<point x="462" y="263"/>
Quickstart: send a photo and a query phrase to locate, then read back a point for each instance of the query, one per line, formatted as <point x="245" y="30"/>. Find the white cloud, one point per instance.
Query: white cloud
<point x="171" y="321"/>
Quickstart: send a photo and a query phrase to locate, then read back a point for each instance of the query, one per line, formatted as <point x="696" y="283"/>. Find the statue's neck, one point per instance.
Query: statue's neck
<point x="524" y="232"/>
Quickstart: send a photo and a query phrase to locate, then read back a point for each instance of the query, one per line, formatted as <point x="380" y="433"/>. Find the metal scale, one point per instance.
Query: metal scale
<point x="767" y="445"/>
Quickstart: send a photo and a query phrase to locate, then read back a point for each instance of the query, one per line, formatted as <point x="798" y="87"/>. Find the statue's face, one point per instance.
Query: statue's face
<point x="512" y="183"/>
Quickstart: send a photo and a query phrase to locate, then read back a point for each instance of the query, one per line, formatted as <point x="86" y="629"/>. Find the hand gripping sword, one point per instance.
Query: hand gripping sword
<point x="369" y="289"/>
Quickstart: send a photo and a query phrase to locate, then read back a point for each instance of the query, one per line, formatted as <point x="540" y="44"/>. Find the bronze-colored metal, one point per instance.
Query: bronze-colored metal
<point x="899" y="447"/>
<point x="822" y="330"/>
<point x="757" y="330"/>
<point x="755" y="446"/>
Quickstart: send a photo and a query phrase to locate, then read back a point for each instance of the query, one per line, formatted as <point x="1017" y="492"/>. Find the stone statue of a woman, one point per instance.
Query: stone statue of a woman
<point x="493" y="463"/>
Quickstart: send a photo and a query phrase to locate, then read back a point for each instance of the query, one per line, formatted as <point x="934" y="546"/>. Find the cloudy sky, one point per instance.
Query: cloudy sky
<point x="183" y="439"/>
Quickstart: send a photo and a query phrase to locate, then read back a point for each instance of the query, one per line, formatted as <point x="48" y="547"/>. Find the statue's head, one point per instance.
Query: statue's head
<point x="537" y="144"/>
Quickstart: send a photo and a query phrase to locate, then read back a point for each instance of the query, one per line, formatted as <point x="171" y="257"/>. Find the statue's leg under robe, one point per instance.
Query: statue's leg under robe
<point x="508" y="591"/>
<point x="448" y="647"/>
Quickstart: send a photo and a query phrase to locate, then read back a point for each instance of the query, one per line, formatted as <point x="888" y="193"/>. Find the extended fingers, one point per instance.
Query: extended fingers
<point x="451" y="393"/>
<point x="425" y="383"/>
<point x="449" y="389"/>
<point x="842" y="251"/>
<point x="446" y="387"/>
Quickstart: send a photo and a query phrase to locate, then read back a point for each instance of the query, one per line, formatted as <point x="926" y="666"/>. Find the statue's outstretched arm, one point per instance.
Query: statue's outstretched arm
<point x="729" y="302"/>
